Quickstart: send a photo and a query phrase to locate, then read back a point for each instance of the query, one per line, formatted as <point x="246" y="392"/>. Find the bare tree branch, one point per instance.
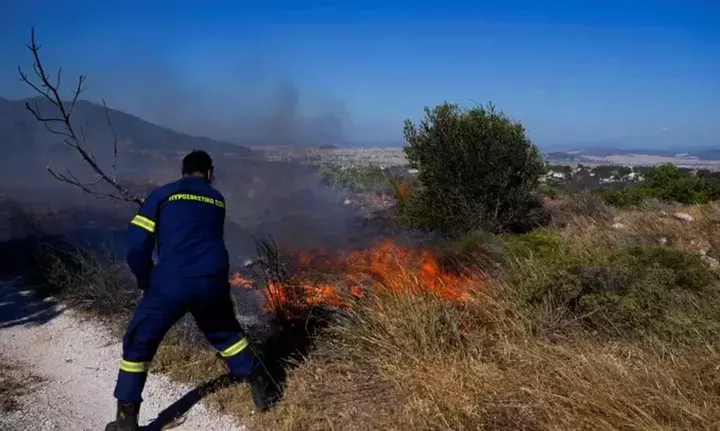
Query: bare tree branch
<point x="115" y="140"/>
<point x="79" y="143"/>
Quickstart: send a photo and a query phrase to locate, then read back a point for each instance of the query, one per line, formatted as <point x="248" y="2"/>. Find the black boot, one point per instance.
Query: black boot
<point x="265" y="392"/>
<point x="126" y="419"/>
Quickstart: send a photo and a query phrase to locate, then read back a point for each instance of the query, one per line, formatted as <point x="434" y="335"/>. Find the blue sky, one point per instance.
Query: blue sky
<point x="621" y="73"/>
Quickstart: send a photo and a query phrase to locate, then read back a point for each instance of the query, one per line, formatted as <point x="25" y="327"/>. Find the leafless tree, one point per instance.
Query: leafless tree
<point x="61" y="124"/>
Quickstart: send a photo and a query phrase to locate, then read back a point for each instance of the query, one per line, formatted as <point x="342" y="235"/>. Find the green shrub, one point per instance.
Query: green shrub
<point x="537" y="246"/>
<point x="637" y="291"/>
<point x="356" y="178"/>
<point x="549" y="191"/>
<point x="478" y="171"/>
<point x="624" y="198"/>
<point x="667" y="183"/>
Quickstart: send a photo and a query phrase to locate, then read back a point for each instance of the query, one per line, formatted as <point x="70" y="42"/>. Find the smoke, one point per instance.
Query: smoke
<point x="280" y="120"/>
<point x="246" y="106"/>
<point x="250" y="106"/>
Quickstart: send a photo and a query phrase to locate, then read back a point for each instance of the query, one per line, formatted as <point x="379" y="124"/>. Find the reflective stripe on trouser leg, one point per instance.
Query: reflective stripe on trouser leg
<point x="240" y="358"/>
<point x="153" y="317"/>
<point x="131" y="381"/>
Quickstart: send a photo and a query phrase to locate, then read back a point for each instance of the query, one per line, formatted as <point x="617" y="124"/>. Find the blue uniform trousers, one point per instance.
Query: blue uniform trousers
<point x="208" y="300"/>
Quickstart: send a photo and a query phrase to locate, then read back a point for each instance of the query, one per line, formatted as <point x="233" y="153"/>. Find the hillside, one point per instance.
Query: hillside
<point x="606" y="151"/>
<point x="28" y="147"/>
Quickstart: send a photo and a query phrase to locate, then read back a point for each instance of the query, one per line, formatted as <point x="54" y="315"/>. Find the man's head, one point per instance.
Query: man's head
<point x="198" y="163"/>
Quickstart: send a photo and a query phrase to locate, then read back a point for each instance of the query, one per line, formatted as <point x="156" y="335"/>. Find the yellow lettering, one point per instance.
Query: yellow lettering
<point x="197" y="198"/>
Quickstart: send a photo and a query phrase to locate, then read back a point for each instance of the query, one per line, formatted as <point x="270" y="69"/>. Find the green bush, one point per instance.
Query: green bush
<point x="667" y="183"/>
<point x="478" y="171"/>
<point x="536" y="245"/>
<point x="356" y="178"/>
<point x="548" y="191"/>
<point x="637" y="290"/>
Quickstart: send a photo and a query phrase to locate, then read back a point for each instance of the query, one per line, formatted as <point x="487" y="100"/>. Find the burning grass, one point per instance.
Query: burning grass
<point x="340" y="280"/>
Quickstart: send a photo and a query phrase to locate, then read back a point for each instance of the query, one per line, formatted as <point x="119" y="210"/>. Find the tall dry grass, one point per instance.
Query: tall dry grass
<point x="415" y="363"/>
<point x="92" y="280"/>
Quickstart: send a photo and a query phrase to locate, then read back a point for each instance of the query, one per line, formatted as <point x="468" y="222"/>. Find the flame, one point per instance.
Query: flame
<point x="238" y="281"/>
<point x="387" y="266"/>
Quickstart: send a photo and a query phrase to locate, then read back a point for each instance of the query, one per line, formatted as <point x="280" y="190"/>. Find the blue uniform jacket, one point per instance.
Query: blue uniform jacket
<point x="183" y="222"/>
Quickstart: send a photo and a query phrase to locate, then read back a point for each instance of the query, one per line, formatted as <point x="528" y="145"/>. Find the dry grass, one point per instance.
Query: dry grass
<point x="93" y="281"/>
<point x="701" y="236"/>
<point x="413" y="366"/>
<point x="573" y="207"/>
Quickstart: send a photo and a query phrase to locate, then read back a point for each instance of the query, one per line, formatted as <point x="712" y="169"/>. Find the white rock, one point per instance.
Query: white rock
<point x="347" y="202"/>
<point x="711" y="261"/>
<point x="663" y="240"/>
<point x="683" y="216"/>
<point x="619" y="226"/>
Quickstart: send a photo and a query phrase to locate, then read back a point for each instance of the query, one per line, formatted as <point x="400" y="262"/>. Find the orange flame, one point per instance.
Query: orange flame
<point x="386" y="266"/>
<point x="238" y="281"/>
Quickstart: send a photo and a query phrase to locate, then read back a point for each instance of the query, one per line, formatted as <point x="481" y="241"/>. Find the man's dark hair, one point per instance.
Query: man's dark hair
<point x="196" y="161"/>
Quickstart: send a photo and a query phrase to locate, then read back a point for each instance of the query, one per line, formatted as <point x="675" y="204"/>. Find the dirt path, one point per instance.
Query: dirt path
<point x="78" y="363"/>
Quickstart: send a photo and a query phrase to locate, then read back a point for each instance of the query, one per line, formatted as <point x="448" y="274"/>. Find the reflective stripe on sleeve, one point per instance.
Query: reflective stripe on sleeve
<point x="144" y="223"/>
<point x="235" y="348"/>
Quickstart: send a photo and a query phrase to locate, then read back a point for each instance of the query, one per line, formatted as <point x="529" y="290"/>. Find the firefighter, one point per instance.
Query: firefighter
<point x="185" y="219"/>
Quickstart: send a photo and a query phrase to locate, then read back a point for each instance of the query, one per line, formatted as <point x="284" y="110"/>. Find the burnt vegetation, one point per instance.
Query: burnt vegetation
<point x="504" y="293"/>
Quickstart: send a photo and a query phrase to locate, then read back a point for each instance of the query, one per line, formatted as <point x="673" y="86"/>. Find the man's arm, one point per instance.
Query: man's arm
<point x="141" y="242"/>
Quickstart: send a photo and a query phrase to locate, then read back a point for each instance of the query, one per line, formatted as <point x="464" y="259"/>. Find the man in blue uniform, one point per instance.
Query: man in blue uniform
<point x="183" y="222"/>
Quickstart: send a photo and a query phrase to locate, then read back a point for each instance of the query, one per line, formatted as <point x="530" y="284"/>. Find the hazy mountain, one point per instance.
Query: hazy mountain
<point x="600" y="151"/>
<point x="28" y="147"/>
